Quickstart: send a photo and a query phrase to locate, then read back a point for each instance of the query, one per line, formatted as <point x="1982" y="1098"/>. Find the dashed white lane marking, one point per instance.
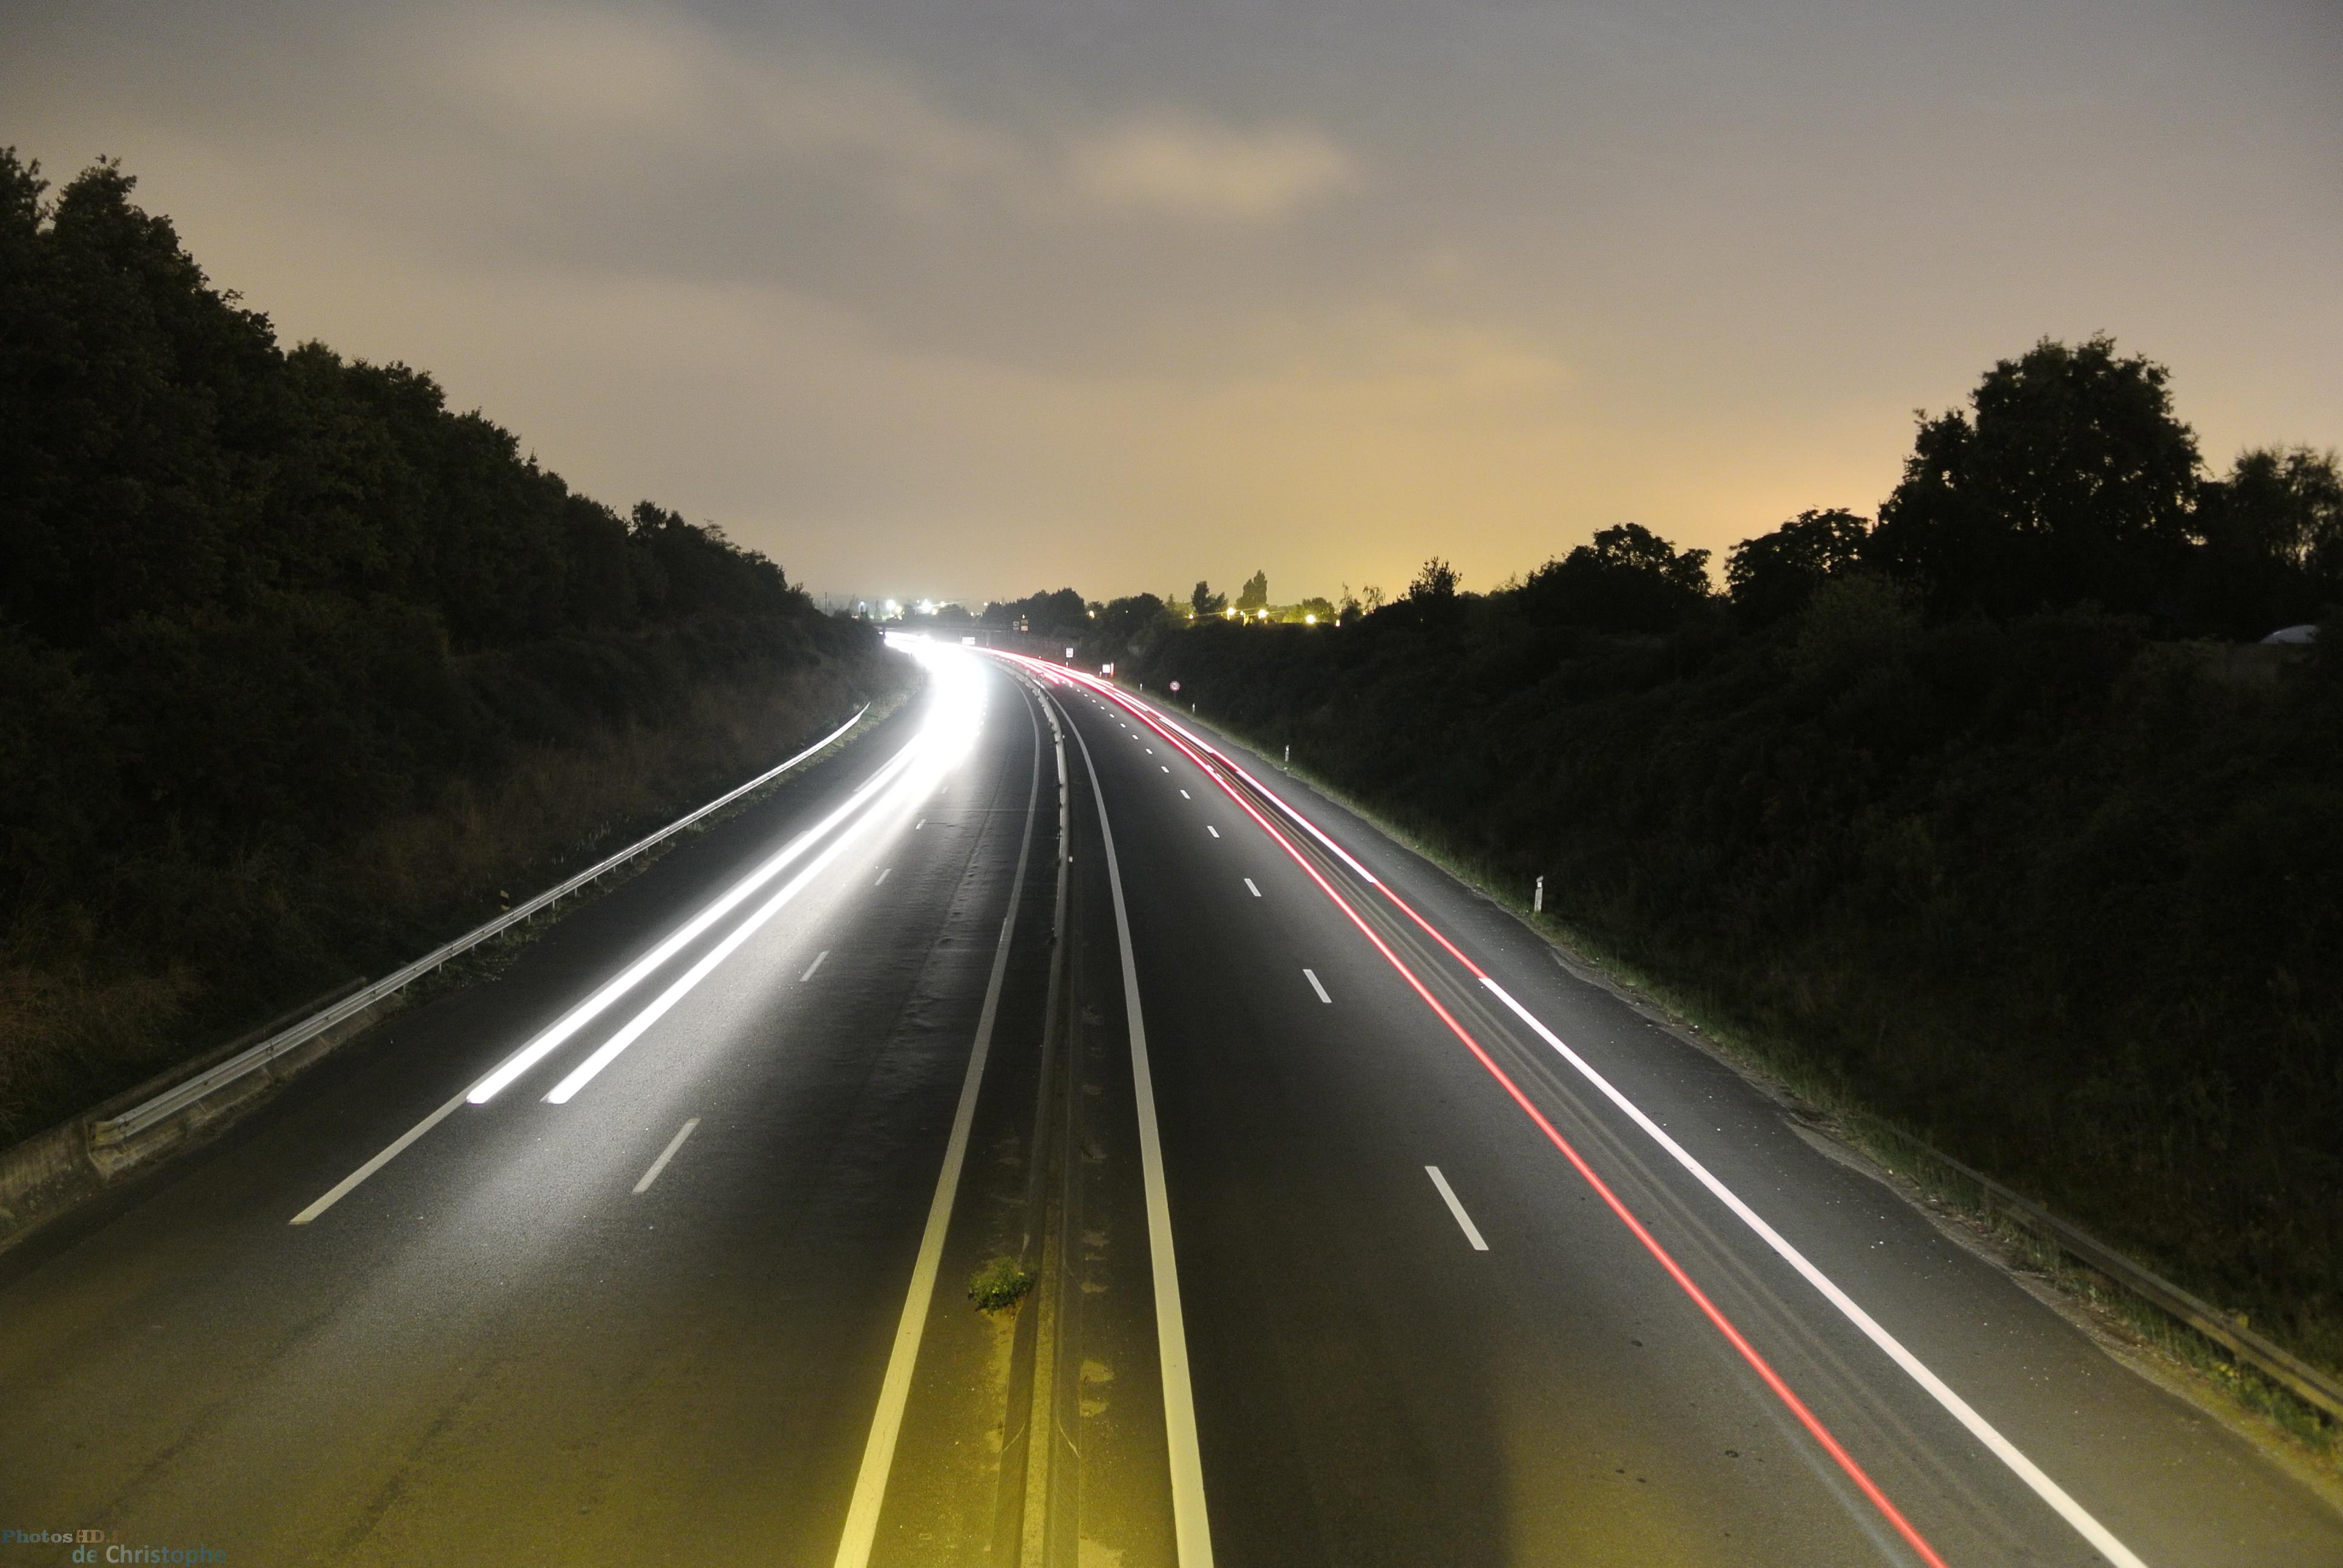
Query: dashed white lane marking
<point x="1184" y="794"/>
<point x="1311" y="976"/>
<point x="1216" y="832"/>
<point x="1251" y="889"/>
<point x="883" y="875"/>
<point x="1166" y="767"/>
<point x="919" y="824"/>
<point x="817" y="963"/>
<point x="1448" y="1193"/>
<point x="666" y="1154"/>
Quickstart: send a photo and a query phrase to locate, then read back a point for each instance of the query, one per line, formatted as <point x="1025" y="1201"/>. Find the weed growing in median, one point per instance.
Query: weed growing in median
<point x="999" y="1284"/>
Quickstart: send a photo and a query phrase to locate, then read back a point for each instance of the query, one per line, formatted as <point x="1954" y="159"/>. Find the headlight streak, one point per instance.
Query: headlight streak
<point x="943" y="740"/>
<point x="637" y="1027"/>
<point x="2060" y="1502"/>
<point x="633" y="975"/>
<point x="956" y="709"/>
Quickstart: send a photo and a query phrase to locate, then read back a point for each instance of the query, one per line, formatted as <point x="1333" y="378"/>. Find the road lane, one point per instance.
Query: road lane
<point x="2164" y="1478"/>
<point x="648" y="1320"/>
<point x="546" y="1332"/>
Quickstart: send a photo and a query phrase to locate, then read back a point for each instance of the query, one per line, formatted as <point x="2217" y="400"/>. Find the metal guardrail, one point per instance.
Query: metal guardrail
<point x="188" y="1090"/>
<point x="2298" y="1377"/>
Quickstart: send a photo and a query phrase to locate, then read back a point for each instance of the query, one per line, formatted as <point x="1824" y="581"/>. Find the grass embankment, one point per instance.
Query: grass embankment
<point x="171" y="956"/>
<point x="2059" y="900"/>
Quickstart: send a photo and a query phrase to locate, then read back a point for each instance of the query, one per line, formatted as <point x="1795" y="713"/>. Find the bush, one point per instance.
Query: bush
<point x="999" y="1283"/>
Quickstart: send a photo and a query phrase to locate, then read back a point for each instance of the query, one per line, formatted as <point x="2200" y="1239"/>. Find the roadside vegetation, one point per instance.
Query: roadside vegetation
<point x="1990" y="817"/>
<point x="302" y="671"/>
<point x="1000" y="1283"/>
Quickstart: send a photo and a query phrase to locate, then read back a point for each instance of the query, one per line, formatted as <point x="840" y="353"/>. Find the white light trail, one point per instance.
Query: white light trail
<point x="941" y="744"/>
<point x="594" y="1006"/>
<point x="955" y="714"/>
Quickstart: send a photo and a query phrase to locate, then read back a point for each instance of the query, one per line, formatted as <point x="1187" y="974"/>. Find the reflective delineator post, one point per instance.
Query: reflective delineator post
<point x="1537" y="897"/>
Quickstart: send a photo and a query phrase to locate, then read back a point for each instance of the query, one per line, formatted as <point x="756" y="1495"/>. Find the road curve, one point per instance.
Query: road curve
<point x="636" y="1251"/>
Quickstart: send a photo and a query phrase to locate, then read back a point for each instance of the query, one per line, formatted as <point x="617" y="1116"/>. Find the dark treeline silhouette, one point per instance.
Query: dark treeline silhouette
<point x="1980" y="818"/>
<point x="260" y="608"/>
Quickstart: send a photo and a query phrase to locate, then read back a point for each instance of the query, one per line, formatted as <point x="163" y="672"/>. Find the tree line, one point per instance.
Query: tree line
<point x="1987" y="815"/>
<point x="256" y="602"/>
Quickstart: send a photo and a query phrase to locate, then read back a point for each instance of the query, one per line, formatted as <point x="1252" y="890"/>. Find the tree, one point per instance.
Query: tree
<point x="1254" y="595"/>
<point x="1203" y="601"/>
<point x="1436" y="582"/>
<point x="2273" y="541"/>
<point x="1773" y="575"/>
<point x="2072" y="482"/>
<point x="1065" y="613"/>
<point x="1130" y="626"/>
<point x="1628" y="578"/>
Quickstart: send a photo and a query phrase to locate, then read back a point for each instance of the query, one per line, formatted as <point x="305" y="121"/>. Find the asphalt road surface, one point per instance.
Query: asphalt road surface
<point x="1367" y="1233"/>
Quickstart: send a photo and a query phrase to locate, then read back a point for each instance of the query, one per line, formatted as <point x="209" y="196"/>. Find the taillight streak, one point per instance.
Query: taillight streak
<point x="1675" y="1271"/>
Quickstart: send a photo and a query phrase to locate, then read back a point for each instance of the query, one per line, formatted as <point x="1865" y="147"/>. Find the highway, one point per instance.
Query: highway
<point x="1368" y="1233"/>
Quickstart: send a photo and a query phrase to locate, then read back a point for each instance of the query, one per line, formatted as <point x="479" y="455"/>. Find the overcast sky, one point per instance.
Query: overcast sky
<point x="971" y="298"/>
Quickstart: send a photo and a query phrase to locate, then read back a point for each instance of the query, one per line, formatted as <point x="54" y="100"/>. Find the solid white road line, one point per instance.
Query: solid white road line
<point x="1311" y="976"/>
<point x="1251" y="889"/>
<point x="341" y="1188"/>
<point x="1216" y="832"/>
<point x="666" y="1154"/>
<point x="817" y="959"/>
<point x="895" y="1389"/>
<point x="2049" y="1491"/>
<point x="1190" y="1522"/>
<point x="1448" y="1194"/>
<point x="882" y="877"/>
